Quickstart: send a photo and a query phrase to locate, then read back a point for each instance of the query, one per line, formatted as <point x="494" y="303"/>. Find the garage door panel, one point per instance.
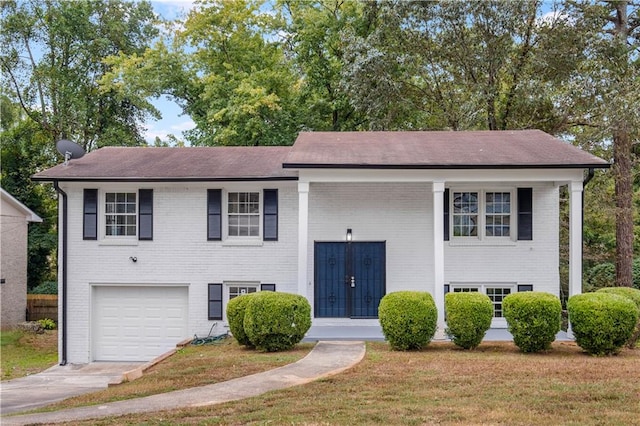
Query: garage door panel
<point x="137" y="323"/>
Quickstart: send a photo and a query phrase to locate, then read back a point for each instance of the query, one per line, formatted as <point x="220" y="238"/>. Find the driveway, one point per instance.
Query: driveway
<point x="60" y="382"/>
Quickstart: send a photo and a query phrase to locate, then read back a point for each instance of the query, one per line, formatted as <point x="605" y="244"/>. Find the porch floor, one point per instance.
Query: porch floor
<point x="374" y="333"/>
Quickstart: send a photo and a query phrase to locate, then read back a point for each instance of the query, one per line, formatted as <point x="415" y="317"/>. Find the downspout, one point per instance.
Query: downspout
<point x="63" y="360"/>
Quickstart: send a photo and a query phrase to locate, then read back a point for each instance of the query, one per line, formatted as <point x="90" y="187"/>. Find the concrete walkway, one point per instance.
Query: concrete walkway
<point x="326" y="359"/>
<point x="60" y="382"/>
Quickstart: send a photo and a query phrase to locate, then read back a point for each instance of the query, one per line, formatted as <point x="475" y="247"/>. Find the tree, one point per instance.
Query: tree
<point x="458" y="65"/>
<point x="313" y="34"/>
<point x="51" y="59"/>
<point x="25" y="149"/>
<point x="604" y="100"/>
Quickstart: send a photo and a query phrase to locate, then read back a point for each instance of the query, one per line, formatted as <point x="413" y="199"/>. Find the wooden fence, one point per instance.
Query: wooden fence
<point x="41" y="306"/>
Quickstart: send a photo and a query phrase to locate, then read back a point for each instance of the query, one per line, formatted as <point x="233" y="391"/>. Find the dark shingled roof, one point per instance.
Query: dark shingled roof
<point x="437" y="150"/>
<point x="400" y="150"/>
<point x="166" y="164"/>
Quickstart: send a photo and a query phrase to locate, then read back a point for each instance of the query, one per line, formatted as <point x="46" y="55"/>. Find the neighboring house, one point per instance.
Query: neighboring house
<point x="14" y="221"/>
<point x="157" y="240"/>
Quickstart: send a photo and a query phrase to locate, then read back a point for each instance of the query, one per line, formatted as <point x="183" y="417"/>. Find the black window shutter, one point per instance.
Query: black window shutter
<point x="90" y="215"/>
<point x="446" y="214"/>
<point x="525" y="214"/>
<point x="270" y="215"/>
<point x="525" y="287"/>
<point x="215" y="301"/>
<point x="267" y="287"/>
<point x="145" y="214"/>
<point x="214" y="214"/>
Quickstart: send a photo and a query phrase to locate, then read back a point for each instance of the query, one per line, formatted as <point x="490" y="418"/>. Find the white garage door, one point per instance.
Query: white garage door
<point x="137" y="323"/>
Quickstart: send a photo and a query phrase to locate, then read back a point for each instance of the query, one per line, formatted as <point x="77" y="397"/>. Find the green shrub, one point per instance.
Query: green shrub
<point x="408" y="319"/>
<point x="235" y="317"/>
<point x="276" y="321"/>
<point x="604" y="275"/>
<point x="47" y="287"/>
<point x="634" y="295"/>
<point x="468" y="318"/>
<point x="533" y="318"/>
<point x="602" y="322"/>
<point x="47" y="323"/>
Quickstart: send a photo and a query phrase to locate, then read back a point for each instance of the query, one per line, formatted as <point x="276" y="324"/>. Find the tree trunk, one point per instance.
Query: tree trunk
<point x="623" y="173"/>
<point x="623" y="170"/>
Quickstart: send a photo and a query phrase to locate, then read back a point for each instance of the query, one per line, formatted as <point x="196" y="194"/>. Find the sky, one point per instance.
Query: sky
<point x="172" y="121"/>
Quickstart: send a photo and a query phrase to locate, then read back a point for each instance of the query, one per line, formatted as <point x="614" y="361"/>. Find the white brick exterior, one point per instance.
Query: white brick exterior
<point x="391" y="206"/>
<point x="178" y="255"/>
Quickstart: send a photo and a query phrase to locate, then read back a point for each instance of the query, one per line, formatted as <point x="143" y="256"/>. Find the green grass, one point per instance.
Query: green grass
<point x="26" y="353"/>
<point x="493" y="384"/>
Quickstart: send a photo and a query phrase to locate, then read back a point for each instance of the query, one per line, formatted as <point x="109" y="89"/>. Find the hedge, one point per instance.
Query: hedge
<point x="468" y="318"/>
<point x="634" y="295"/>
<point x="408" y="319"/>
<point x="235" y="317"/>
<point x="533" y="318"/>
<point x="602" y="322"/>
<point x="275" y="321"/>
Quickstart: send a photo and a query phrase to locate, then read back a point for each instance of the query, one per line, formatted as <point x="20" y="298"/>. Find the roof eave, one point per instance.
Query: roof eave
<point x="162" y="179"/>
<point x="444" y="166"/>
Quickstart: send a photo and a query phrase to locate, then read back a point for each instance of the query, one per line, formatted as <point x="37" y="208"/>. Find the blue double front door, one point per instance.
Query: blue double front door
<point x="349" y="279"/>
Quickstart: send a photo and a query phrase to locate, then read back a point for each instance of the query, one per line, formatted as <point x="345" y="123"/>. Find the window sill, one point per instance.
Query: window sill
<point x="482" y="243"/>
<point x="127" y="242"/>
<point x="242" y="243"/>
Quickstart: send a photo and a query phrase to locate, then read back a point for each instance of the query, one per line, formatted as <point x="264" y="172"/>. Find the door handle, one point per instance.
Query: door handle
<point x="353" y="281"/>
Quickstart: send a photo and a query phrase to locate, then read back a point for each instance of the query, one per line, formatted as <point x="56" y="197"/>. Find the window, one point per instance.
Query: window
<point x="495" y="293"/>
<point x="465" y="214"/>
<point x="498" y="214"/>
<point x="481" y="214"/>
<point x="244" y="214"/>
<point x="219" y="292"/>
<point x="235" y="291"/>
<point x="120" y="214"/>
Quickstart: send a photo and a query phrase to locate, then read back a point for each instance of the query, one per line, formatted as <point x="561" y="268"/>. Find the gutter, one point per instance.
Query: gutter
<point x="63" y="360"/>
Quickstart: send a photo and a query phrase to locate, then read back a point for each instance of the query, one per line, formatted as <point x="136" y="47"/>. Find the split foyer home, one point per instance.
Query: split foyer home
<point x="155" y="241"/>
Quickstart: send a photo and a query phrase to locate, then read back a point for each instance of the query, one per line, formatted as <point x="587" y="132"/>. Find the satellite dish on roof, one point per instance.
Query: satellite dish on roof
<point x="69" y="150"/>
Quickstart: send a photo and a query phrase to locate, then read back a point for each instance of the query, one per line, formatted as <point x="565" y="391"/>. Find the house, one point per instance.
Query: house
<point x="155" y="241"/>
<point x="14" y="222"/>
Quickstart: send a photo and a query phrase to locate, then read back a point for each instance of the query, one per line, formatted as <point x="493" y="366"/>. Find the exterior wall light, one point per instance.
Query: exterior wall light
<point x="349" y="235"/>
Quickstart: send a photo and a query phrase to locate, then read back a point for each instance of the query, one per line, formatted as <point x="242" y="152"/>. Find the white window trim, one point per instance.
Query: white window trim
<point x="226" y="292"/>
<point x="116" y="240"/>
<point x="482" y="238"/>
<point x="231" y="240"/>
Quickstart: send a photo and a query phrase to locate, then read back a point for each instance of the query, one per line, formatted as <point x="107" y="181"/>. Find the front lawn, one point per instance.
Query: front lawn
<point x="190" y="367"/>
<point x="494" y="384"/>
<point x="25" y="353"/>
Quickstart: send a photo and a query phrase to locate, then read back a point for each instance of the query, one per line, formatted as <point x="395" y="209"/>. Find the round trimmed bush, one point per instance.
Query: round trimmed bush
<point x="408" y="319"/>
<point x="468" y="318"/>
<point x="632" y="294"/>
<point x="601" y="322"/>
<point x="276" y="321"/>
<point x="533" y="318"/>
<point x="235" y="316"/>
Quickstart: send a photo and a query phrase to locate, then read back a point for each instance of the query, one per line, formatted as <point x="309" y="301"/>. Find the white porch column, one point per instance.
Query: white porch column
<point x="438" y="255"/>
<point x="303" y="230"/>
<point x="575" y="238"/>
